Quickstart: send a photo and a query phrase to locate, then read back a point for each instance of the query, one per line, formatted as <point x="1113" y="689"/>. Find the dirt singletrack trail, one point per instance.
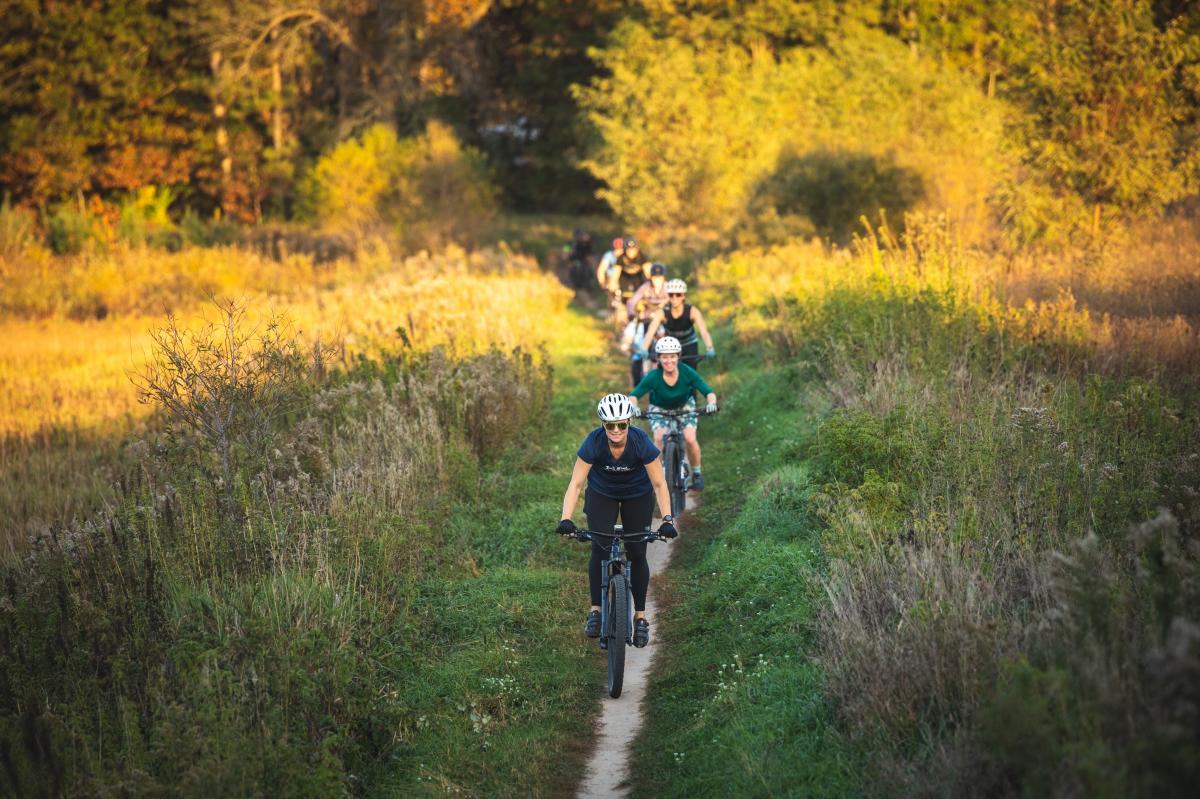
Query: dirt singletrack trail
<point x="607" y="772"/>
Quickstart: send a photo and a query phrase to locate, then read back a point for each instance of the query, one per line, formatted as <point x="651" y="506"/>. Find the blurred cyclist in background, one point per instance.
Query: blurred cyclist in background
<point x="645" y="303"/>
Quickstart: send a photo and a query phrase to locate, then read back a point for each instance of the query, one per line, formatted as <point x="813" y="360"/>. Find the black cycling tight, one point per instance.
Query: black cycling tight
<point x="601" y="512"/>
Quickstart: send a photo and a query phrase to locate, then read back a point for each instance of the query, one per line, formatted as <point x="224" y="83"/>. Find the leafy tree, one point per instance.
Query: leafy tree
<point x="696" y="134"/>
<point x="1106" y="105"/>
<point x="95" y="97"/>
<point x="509" y="86"/>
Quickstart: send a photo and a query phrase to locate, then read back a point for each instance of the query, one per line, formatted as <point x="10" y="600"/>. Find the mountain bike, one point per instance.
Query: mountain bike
<point x="674" y="456"/>
<point x="616" y="598"/>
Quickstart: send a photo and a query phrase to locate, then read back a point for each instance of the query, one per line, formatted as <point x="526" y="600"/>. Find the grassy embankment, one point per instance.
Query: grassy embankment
<point x="950" y="544"/>
<point x="375" y="607"/>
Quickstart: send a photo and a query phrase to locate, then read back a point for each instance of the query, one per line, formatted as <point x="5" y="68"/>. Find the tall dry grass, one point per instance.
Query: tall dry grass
<point x="244" y="616"/>
<point x="1009" y="496"/>
<point x="66" y="394"/>
<point x="1134" y="308"/>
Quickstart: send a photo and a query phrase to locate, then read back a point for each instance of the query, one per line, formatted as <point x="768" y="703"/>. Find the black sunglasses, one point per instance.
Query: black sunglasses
<point x="615" y="425"/>
<point x="674" y="294"/>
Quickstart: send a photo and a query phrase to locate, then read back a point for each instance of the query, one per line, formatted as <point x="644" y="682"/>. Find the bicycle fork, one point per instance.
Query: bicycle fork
<point x="614" y="557"/>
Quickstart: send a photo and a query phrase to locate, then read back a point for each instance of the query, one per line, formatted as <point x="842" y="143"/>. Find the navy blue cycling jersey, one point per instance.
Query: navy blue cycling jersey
<point x="623" y="478"/>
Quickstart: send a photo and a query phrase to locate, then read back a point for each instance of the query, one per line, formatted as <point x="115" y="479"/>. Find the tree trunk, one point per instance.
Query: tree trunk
<point x="222" y="133"/>
<point x="277" y="128"/>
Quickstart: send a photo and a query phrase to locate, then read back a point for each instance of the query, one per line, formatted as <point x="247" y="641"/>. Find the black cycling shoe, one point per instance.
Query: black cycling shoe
<point x="697" y="481"/>
<point x="641" y="632"/>
<point x="592" y="627"/>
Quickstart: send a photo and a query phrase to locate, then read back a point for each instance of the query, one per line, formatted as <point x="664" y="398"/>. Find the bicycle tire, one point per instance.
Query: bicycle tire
<point x="618" y="632"/>
<point x="675" y="478"/>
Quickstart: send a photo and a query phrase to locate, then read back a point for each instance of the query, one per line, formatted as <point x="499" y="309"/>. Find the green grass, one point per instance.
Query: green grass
<point x="736" y="706"/>
<point x="508" y="688"/>
<point x="974" y="524"/>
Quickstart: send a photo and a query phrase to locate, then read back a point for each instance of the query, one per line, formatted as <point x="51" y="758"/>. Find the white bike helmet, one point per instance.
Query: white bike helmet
<point x="676" y="286"/>
<point x="667" y="345"/>
<point x="614" y="408"/>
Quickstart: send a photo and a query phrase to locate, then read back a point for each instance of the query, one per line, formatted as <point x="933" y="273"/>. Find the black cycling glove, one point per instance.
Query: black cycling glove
<point x="566" y="527"/>
<point x="667" y="530"/>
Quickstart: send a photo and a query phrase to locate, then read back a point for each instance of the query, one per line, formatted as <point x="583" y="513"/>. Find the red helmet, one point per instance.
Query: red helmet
<point x="618" y="243"/>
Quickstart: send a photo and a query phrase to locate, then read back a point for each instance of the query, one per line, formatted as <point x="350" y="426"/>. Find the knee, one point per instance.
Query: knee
<point x="689" y="435"/>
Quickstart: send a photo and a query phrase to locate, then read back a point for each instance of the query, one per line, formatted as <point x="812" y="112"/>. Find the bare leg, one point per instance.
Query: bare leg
<point x="693" y="447"/>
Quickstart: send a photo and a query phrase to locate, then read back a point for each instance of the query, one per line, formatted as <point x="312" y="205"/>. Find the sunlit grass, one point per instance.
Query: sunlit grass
<point x="66" y="393"/>
<point x="71" y="373"/>
<point x="994" y="472"/>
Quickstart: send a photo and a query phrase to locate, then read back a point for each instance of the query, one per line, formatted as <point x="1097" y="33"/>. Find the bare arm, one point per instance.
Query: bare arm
<point x="698" y="319"/>
<point x="631" y="306"/>
<point x="652" y="328"/>
<point x="658" y="480"/>
<point x="578" y="477"/>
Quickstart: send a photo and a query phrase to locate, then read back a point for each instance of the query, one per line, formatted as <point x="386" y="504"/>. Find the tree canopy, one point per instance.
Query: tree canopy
<point x="670" y="111"/>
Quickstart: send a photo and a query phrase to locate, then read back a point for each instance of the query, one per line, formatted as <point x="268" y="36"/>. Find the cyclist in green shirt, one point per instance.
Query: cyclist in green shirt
<point x="673" y="386"/>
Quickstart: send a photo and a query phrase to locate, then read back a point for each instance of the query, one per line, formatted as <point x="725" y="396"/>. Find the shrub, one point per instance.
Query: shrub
<point x="18" y="230"/>
<point x="430" y="189"/>
<point x="144" y="218"/>
<point x="222" y="389"/>
<point x="200" y="232"/>
<point x="69" y="229"/>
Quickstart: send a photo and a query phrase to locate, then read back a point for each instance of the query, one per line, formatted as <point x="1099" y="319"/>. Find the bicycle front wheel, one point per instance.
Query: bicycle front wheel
<point x="617" y="632"/>
<point x="676" y="479"/>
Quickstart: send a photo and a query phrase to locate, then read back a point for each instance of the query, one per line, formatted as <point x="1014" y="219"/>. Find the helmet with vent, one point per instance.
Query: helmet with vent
<point x="667" y="345"/>
<point x="614" y="408"/>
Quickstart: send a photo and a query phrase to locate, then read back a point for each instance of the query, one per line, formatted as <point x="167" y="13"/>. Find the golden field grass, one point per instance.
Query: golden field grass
<point x="74" y="374"/>
<point x="1135" y="305"/>
<point x="68" y="400"/>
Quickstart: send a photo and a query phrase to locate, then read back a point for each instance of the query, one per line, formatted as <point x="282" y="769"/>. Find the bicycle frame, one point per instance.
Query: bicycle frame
<point x="616" y="563"/>
<point x="674" y="435"/>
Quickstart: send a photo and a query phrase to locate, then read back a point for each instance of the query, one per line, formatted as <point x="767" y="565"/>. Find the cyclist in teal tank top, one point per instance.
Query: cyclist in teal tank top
<point x="673" y="386"/>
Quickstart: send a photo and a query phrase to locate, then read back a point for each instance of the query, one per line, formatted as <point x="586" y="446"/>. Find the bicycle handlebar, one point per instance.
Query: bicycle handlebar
<point x="677" y="413"/>
<point x="643" y="536"/>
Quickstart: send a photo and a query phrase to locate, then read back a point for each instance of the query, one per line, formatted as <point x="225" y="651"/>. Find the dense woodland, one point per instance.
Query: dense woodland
<point x="1087" y="111"/>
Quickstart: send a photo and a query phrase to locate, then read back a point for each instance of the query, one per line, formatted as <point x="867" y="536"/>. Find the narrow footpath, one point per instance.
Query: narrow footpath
<point x="607" y="773"/>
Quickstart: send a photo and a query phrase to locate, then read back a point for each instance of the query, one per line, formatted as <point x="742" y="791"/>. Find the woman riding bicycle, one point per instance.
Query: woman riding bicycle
<point x="648" y="300"/>
<point x="672" y="386"/>
<point x="606" y="270"/>
<point x="624" y="477"/>
<point x="682" y="321"/>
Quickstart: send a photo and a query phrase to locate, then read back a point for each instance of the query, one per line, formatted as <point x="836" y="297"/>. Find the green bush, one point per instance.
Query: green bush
<point x="199" y="232"/>
<point x="144" y="218"/>
<point x="429" y="189"/>
<point x="69" y="229"/>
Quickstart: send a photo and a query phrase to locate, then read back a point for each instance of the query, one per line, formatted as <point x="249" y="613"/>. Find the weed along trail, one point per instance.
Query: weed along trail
<point x="621" y="720"/>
